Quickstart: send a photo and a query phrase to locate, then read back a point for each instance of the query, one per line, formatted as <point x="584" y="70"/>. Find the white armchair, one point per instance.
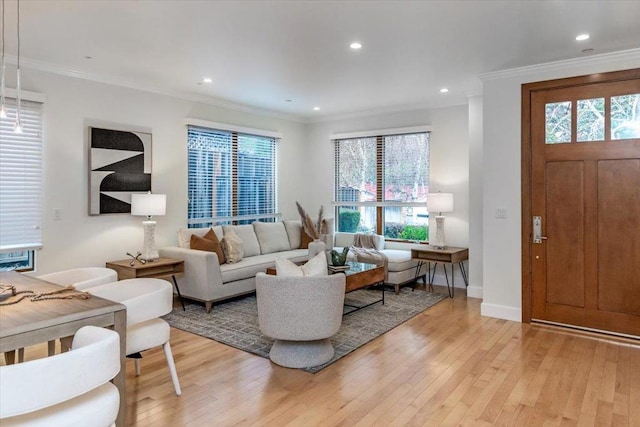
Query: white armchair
<point x="69" y="389"/>
<point x="301" y="314"/>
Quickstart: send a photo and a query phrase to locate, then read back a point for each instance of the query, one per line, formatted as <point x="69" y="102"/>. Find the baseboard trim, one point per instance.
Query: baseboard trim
<point x="501" y="312"/>
<point x="474" y="292"/>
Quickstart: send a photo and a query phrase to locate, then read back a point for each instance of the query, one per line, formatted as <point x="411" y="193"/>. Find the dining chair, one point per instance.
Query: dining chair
<point x="146" y="300"/>
<point x="68" y="389"/>
<point x="82" y="279"/>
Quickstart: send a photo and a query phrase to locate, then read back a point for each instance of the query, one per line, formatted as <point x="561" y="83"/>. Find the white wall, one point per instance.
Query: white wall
<point x="449" y="162"/>
<point x="72" y="104"/>
<point x="501" y="172"/>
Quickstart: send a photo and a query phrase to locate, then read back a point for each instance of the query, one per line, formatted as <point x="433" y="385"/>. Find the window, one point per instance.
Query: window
<point x="381" y="185"/>
<point x="232" y="177"/>
<point x="592" y="115"/>
<point x="20" y="186"/>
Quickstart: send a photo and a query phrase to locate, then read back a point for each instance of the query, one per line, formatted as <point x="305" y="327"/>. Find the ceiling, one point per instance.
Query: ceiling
<point x="262" y="53"/>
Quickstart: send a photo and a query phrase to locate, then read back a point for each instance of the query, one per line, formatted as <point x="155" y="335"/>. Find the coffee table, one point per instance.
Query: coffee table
<point x="358" y="276"/>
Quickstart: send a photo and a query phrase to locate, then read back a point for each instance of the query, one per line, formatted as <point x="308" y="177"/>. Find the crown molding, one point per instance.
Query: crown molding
<point x="604" y="58"/>
<point x="386" y="110"/>
<point x="473" y="93"/>
<point x="52" y="68"/>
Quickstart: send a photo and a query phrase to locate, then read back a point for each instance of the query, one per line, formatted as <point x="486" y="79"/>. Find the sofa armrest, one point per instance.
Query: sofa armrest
<point x="202" y="279"/>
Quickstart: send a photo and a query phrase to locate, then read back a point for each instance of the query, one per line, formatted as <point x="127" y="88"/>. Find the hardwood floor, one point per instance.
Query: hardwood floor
<point x="446" y="366"/>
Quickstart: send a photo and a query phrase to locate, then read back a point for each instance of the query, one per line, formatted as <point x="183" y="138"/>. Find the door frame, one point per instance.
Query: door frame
<point x="526" y="148"/>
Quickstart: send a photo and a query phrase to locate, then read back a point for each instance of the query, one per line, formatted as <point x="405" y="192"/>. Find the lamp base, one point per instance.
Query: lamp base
<point x="438" y="242"/>
<point x="149" y="251"/>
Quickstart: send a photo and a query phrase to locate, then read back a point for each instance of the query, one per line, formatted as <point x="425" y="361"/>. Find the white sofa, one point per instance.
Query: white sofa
<point x="206" y="280"/>
<point x="401" y="268"/>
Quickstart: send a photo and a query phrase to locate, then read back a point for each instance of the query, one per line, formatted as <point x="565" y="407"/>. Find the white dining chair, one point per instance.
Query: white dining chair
<point x="146" y="300"/>
<point x="81" y="278"/>
<point x="68" y="389"/>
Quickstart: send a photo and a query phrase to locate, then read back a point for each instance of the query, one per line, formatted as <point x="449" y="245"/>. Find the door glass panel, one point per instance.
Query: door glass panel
<point x="625" y="116"/>
<point x="590" y="125"/>
<point x="558" y="122"/>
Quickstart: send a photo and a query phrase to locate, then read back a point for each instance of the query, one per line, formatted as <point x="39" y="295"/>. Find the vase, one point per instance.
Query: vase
<point x="316" y="247"/>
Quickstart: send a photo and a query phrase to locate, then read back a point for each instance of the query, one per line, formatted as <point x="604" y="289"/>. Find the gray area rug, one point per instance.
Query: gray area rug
<point x="235" y="322"/>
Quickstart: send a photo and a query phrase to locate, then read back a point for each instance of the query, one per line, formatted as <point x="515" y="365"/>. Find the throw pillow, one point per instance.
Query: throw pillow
<point x="317" y="266"/>
<point x="305" y="239"/>
<point x="232" y="247"/>
<point x="209" y="242"/>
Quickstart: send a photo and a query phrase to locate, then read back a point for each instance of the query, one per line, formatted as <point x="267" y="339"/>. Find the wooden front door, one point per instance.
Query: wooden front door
<point x="585" y="201"/>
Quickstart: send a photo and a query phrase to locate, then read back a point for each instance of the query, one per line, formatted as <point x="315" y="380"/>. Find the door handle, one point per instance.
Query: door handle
<point x="537" y="230"/>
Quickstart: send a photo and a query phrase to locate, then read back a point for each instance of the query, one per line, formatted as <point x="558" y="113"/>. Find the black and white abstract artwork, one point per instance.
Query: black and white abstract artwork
<point x="120" y="164"/>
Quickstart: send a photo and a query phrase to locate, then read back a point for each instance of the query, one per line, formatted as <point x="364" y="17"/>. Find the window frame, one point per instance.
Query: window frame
<point x="235" y="139"/>
<point x="380" y="203"/>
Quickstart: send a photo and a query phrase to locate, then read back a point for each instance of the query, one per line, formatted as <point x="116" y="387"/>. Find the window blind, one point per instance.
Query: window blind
<point x="232" y="177"/>
<point x="21" y="178"/>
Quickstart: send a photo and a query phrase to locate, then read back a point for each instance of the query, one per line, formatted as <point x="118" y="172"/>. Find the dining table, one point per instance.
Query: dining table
<point x="31" y="322"/>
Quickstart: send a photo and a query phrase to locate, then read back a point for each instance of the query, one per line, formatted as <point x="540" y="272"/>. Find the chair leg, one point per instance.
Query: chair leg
<point x="172" y="367"/>
<point x="65" y="344"/>
<point x="51" y="347"/>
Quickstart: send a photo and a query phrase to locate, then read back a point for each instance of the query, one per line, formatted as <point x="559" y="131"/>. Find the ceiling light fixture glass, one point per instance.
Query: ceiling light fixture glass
<point x="316" y="108"/>
<point x="3" y="109"/>
<point x="444" y="90"/>
<point x="17" y="127"/>
<point x="582" y="37"/>
<point x="207" y="80"/>
<point x="355" y="45"/>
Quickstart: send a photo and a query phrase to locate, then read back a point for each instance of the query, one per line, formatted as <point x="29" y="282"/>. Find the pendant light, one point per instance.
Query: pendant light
<point x="3" y="109"/>
<point x="17" y="127"/>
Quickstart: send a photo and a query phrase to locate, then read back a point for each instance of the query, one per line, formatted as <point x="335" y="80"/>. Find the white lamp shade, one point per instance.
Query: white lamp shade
<point x="148" y="204"/>
<point x="440" y="202"/>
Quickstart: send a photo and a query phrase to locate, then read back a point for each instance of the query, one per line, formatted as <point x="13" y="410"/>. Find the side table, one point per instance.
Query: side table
<point x="449" y="255"/>
<point x="163" y="268"/>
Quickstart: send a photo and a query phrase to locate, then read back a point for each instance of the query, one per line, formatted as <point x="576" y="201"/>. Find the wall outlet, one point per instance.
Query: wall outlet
<point x="57" y="214"/>
<point x="501" y="213"/>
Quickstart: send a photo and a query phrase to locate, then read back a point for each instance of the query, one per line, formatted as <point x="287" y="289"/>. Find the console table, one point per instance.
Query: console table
<point x="449" y="255"/>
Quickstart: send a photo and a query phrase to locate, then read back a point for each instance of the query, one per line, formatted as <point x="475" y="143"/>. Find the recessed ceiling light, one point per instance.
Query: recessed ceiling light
<point x="444" y="90"/>
<point x="582" y="37"/>
<point x="316" y="108"/>
<point x="207" y="80"/>
<point x="355" y="45"/>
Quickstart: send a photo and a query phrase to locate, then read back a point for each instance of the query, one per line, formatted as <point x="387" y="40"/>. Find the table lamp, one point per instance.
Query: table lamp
<point x="439" y="202"/>
<point x="149" y="205"/>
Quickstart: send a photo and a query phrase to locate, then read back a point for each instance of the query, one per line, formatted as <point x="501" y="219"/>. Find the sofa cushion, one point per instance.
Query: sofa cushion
<point x="232" y="246"/>
<point x="184" y="235"/>
<point x="398" y="259"/>
<point x="316" y="266"/>
<point x="294" y="230"/>
<point x="209" y="242"/>
<point x="249" y="267"/>
<point x="246" y="233"/>
<point x="272" y="237"/>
